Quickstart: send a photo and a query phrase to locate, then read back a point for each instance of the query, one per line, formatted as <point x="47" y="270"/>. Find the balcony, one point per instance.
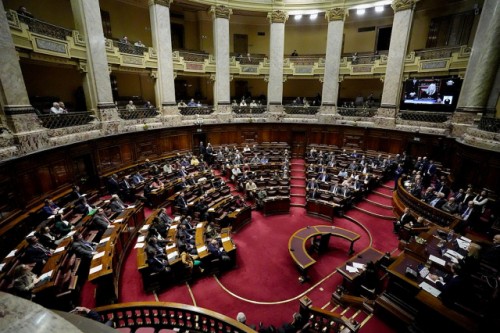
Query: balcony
<point x="40" y="27"/>
<point x="422" y="116"/>
<point x="489" y="124"/>
<point x="139" y="113"/>
<point x="248" y="110"/>
<point x="301" y="110"/>
<point x="70" y="119"/>
<point x="357" y="112"/>
<point x="196" y="110"/>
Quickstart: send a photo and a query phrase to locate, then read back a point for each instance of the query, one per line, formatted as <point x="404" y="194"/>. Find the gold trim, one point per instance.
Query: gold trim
<point x="191" y="293"/>
<point x="277" y="16"/>
<point x="336" y="14"/>
<point x="221" y="11"/>
<point x="400" y="5"/>
<point x="165" y="3"/>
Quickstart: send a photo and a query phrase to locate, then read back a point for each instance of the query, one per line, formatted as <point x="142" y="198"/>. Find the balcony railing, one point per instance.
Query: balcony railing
<point x="139" y="113"/>
<point x="437" y="53"/>
<point x="489" y="124"/>
<point x="194" y="110"/>
<point x="193" y="56"/>
<point x="306" y="110"/>
<point x="356" y="112"/>
<point x="130" y="48"/>
<point x="179" y="317"/>
<point x="44" y="28"/>
<point x="430" y="117"/>
<point x="248" y="110"/>
<point x="65" y="119"/>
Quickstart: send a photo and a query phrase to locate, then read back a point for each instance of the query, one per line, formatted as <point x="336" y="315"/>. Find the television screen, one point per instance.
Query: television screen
<point x="436" y="94"/>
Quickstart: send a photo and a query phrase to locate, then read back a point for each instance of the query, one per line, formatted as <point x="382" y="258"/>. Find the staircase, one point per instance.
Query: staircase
<point x="297" y="183"/>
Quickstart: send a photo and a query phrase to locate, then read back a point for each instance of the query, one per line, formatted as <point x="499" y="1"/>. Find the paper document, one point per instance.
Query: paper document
<point x="31" y="234"/>
<point x="174" y="226"/>
<point x="47" y="275"/>
<point x="465" y="239"/>
<point x="59" y="249"/>
<point x="358" y="265"/>
<point x="351" y="269"/>
<point x="464" y="245"/>
<point x="1" y="266"/>
<point x="145" y="227"/>
<point x="138" y="245"/>
<point x="141" y="239"/>
<point x="226" y="239"/>
<point x="104" y="240"/>
<point x="11" y="253"/>
<point x="202" y="248"/>
<point x="437" y="260"/>
<point x="452" y="258"/>
<point x="171" y="246"/>
<point x="118" y="220"/>
<point x="455" y="254"/>
<point x="130" y="207"/>
<point x="98" y="255"/>
<point x="177" y="218"/>
<point x="95" y="269"/>
<point x="430" y="289"/>
<point x="199" y="225"/>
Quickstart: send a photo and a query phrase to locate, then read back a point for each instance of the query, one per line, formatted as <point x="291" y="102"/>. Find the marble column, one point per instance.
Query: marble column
<point x="401" y="26"/>
<point x="159" y="13"/>
<point x="87" y="15"/>
<point x="491" y="105"/>
<point x="18" y="116"/>
<point x="483" y="62"/>
<point x="277" y="19"/>
<point x="222" y="91"/>
<point x="335" y="18"/>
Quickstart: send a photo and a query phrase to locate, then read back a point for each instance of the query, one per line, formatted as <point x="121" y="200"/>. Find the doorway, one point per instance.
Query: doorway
<point x="383" y="39"/>
<point x="240" y="44"/>
<point x="298" y="144"/>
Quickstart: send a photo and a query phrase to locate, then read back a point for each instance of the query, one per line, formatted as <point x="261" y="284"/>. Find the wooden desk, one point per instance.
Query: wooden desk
<point x="363" y="257"/>
<point x="276" y="205"/>
<point x="297" y="243"/>
<point x="321" y="208"/>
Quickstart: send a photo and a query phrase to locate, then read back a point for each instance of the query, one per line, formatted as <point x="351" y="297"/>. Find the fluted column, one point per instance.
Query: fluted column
<point x="401" y="26"/>
<point x="335" y="18"/>
<point x="483" y="62"/>
<point x="159" y="13"/>
<point x="277" y="19"/>
<point x="222" y="91"/>
<point x="87" y="15"/>
<point x="491" y="105"/>
<point x="17" y="113"/>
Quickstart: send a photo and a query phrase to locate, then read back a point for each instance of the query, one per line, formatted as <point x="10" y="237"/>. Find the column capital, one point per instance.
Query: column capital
<point x="221" y="11"/>
<point x="336" y="14"/>
<point x="165" y="3"/>
<point x="400" y="5"/>
<point x="277" y="16"/>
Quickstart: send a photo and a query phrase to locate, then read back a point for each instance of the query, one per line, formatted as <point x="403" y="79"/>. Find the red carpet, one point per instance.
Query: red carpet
<point x="264" y="282"/>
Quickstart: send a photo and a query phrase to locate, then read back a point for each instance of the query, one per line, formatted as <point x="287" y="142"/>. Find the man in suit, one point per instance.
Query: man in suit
<point x="49" y="209"/>
<point x="163" y="216"/>
<point x="312" y="185"/>
<point x="36" y="253"/>
<point x="438" y="201"/>
<point x="113" y="185"/>
<point x="75" y="193"/>
<point x="100" y="222"/>
<point x="116" y="205"/>
<point x="82" y="248"/>
<point x="492" y="255"/>
<point x="126" y="189"/>
<point x="406" y="218"/>
<point x="214" y="249"/>
<point x="181" y="203"/>
<point x="323" y="177"/>
<point x="451" y="206"/>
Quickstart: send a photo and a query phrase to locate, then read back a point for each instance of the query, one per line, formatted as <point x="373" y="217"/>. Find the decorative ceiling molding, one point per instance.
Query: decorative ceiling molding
<point x="221" y="11"/>
<point x="277" y="16"/>
<point x="400" y="5"/>
<point x="336" y="14"/>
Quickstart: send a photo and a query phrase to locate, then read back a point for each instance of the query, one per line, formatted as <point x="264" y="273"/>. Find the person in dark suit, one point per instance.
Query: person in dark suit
<point x="49" y="209"/>
<point x="36" y="253"/>
<point x="181" y="203"/>
<point x="406" y="218"/>
<point x="116" y="205"/>
<point x="113" y="185"/>
<point x="100" y="222"/>
<point x="214" y="249"/>
<point x="83" y="207"/>
<point x="82" y="248"/>
<point x="46" y="238"/>
<point x="438" y="201"/>
<point x="492" y="255"/>
<point x="75" y="193"/>
<point x="61" y="227"/>
<point x="323" y="177"/>
<point x="126" y="189"/>
<point x="452" y="287"/>
<point x="156" y="263"/>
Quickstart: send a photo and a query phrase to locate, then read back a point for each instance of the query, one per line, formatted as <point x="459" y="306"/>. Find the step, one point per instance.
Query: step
<point x="382" y="194"/>
<point x="295" y="185"/>
<point x="385" y="217"/>
<point x="293" y="204"/>
<point x="297" y="195"/>
<point x="388" y="187"/>
<point x="378" y="204"/>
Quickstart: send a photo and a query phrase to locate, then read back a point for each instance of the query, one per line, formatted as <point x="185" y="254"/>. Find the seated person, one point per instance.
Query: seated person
<point x="192" y="103"/>
<point x="49" y="209"/>
<point x="61" y="227"/>
<point x="116" y="205"/>
<point x="154" y="245"/>
<point x="82" y="248"/>
<point x="160" y="226"/>
<point x="250" y="189"/>
<point x="491" y="256"/>
<point x="211" y="231"/>
<point x="83" y="207"/>
<point x="35" y="253"/>
<point x="23" y="11"/>
<point x="181" y="203"/>
<point x="182" y="104"/>
<point x="57" y="109"/>
<point x="47" y="239"/>
<point x="190" y="263"/>
<point x="406" y="218"/>
<point x="261" y="195"/>
<point x="24" y="280"/>
<point x="130" y="106"/>
<point x="452" y="287"/>
<point x="137" y="178"/>
<point x="450" y="206"/>
<point x="157" y="263"/>
<point x="215" y="250"/>
<point x="100" y="222"/>
<point x="91" y="314"/>
<point x="295" y="326"/>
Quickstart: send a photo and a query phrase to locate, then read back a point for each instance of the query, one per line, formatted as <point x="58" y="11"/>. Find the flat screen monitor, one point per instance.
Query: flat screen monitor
<point x="434" y="94"/>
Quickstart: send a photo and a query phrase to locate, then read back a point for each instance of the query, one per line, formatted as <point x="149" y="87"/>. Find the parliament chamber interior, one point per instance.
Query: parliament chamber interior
<point x="227" y="166"/>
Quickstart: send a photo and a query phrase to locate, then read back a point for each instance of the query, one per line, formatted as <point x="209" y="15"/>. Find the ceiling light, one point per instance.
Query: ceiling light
<point x="379" y="9"/>
<point x="297" y="17"/>
<point x="360" y="11"/>
<point x="313" y="17"/>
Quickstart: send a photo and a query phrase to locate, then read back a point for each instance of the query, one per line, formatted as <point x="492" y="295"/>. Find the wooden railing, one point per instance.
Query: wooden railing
<point x="161" y="315"/>
<point x="402" y="198"/>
